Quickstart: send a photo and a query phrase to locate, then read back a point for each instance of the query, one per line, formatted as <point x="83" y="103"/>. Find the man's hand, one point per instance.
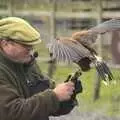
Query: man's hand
<point x="64" y="91"/>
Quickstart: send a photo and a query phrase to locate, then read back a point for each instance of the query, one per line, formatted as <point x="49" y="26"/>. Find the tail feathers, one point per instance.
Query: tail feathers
<point x="103" y="71"/>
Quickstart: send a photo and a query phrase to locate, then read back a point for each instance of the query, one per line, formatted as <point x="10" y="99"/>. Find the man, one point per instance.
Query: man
<point x="25" y="94"/>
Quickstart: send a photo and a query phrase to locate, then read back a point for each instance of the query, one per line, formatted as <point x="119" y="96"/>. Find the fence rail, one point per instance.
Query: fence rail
<point x="70" y="15"/>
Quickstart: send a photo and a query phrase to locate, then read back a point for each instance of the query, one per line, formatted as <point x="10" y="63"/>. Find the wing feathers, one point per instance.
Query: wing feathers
<point x="110" y="25"/>
<point x="68" y="50"/>
<point x="80" y="44"/>
<point x="88" y="37"/>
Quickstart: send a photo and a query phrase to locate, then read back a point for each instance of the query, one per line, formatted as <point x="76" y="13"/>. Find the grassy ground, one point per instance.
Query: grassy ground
<point x="109" y="101"/>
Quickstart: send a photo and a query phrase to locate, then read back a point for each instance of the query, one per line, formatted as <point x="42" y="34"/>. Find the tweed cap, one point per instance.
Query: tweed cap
<point x="19" y="30"/>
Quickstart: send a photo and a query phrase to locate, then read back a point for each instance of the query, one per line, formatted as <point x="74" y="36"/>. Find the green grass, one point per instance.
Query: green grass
<point x="109" y="101"/>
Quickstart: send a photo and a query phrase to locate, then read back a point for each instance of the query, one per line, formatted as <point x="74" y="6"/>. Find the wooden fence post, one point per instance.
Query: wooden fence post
<point x="11" y="8"/>
<point x="52" y="63"/>
<point x="97" y="84"/>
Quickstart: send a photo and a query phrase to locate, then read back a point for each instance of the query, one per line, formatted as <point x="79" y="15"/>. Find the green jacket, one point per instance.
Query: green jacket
<point x="18" y="98"/>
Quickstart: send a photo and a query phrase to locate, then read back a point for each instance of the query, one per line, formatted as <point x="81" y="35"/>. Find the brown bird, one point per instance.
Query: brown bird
<point x="78" y="48"/>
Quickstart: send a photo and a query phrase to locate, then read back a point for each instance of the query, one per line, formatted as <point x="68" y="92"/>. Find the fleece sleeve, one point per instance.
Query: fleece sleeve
<point x="15" y="107"/>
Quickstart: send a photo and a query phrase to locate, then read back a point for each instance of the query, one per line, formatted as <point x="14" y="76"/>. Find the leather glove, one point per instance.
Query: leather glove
<point x="65" y="107"/>
<point x="78" y="86"/>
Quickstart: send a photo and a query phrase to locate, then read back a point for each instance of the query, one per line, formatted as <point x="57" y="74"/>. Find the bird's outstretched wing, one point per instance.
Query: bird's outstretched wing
<point x="80" y="44"/>
<point x="110" y="25"/>
<point x="68" y="50"/>
<point x="88" y="37"/>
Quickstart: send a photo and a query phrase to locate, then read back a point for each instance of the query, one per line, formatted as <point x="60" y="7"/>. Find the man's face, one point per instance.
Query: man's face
<point x="17" y="52"/>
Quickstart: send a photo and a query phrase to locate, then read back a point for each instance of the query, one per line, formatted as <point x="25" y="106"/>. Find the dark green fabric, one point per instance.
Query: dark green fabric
<point x="17" y="100"/>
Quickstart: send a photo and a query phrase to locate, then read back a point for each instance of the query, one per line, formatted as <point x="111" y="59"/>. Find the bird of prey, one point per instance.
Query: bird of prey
<point x="78" y="48"/>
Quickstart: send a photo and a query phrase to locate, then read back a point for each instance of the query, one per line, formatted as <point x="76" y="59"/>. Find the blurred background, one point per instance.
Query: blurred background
<point x="54" y="18"/>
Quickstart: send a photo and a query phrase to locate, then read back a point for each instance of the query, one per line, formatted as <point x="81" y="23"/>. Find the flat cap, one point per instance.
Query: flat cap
<point x="19" y="30"/>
